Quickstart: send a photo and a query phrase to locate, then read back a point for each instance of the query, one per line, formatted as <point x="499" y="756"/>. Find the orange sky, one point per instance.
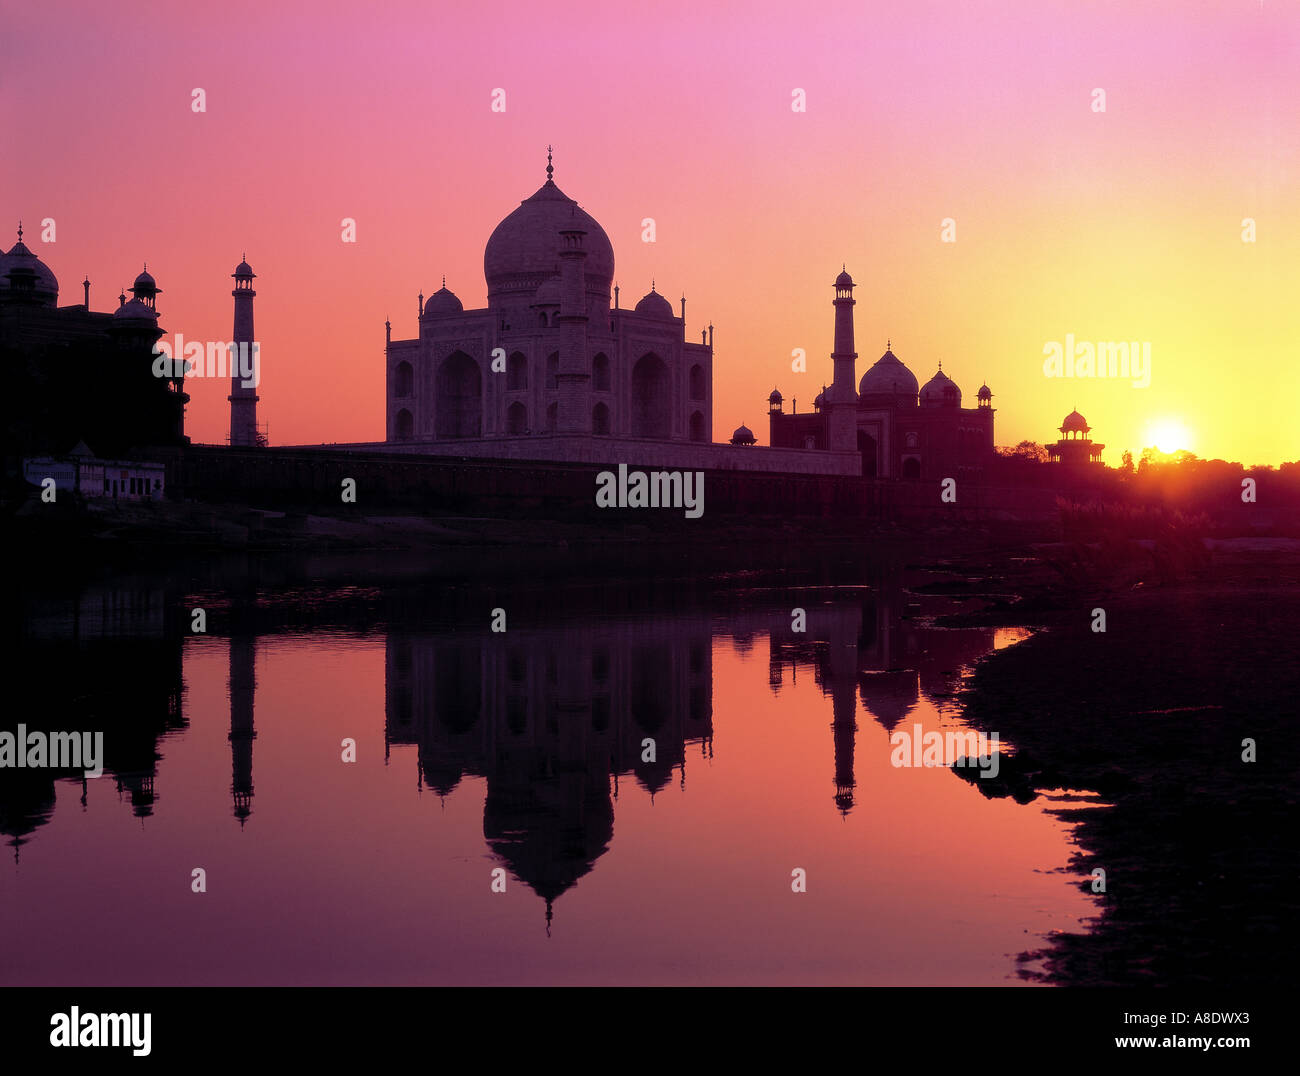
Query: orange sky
<point x="1116" y="225"/>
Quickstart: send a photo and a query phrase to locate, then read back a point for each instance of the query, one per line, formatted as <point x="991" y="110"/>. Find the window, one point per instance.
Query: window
<point x="516" y="372"/>
<point x="403" y="380"/>
<point x="699" y="389"/>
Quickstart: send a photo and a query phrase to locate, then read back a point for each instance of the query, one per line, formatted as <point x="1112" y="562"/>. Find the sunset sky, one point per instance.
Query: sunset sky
<point x="1117" y="225"/>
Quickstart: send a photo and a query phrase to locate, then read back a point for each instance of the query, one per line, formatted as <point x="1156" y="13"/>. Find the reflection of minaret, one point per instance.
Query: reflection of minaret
<point x="243" y="685"/>
<point x="844" y="628"/>
<point x="243" y="398"/>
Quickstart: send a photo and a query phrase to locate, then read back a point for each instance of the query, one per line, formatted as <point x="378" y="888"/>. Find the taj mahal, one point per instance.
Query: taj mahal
<point x="556" y="368"/>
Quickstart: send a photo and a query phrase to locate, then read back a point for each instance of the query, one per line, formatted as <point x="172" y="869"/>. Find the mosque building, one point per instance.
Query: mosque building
<point x="76" y="375"/>
<point x="548" y="355"/>
<point x="900" y="430"/>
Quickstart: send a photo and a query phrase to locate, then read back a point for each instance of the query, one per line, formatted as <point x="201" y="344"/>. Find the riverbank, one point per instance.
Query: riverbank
<point x="1182" y="717"/>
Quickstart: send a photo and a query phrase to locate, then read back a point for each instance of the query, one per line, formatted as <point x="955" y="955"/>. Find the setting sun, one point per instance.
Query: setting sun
<point x="1169" y="435"/>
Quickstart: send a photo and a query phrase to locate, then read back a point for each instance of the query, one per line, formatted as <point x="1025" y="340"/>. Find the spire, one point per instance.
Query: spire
<point x="444" y="280"/>
<point x="20" y="231"/>
<point x="550" y="170"/>
<point x="548" y="918"/>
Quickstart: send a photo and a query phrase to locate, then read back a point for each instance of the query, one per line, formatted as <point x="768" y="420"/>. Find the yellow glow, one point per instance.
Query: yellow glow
<point x="1169" y="435"/>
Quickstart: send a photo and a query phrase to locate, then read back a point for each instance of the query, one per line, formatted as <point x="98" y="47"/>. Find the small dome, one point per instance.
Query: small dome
<point x="243" y="269"/>
<point x="985" y="393"/>
<point x="144" y="280"/>
<point x="743" y="435"/>
<point x="820" y="401"/>
<point x="940" y="391"/>
<point x="775" y="397"/>
<point x="135" y="310"/>
<point x="1075" y="421"/>
<point x="550" y="293"/>
<point x="844" y="280"/>
<point x="442" y="303"/>
<point x="46" y="286"/>
<point x="888" y="377"/>
<point x="654" y="305"/>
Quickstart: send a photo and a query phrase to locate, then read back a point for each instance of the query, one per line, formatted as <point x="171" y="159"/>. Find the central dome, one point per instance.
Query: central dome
<point x="888" y="377"/>
<point x="523" y="250"/>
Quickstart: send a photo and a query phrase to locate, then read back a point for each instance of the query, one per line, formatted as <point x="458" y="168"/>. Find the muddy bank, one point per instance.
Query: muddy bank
<point x="1199" y="847"/>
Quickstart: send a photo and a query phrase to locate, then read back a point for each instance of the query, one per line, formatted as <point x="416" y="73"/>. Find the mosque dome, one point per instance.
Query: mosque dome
<point x="820" y="400"/>
<point x="775" y="397"/>
<point x="888" y="376"/>
<point x="843" y="280"/>
<point x="985" y="393"/>
<point x="244" y="269"/>
<point x="1075" y="422"/>
<point x="46" y="286"/>
<point x="743" y="435"/>
<point x="442" y="303"/>
<point x="524" y="248"/>
<point x="654" y="305"/>
<point x="144" y="280"/>
<point x="940" y="391"/>
<point x="135" y="310"/>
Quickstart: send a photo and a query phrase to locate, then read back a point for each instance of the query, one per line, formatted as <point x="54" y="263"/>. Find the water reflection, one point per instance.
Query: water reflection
<point x="550" y="726"/>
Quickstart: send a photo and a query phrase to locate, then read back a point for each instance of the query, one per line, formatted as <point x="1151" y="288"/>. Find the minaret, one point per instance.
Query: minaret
<point x="243" y="397"/>
<point x="842" y="399"/>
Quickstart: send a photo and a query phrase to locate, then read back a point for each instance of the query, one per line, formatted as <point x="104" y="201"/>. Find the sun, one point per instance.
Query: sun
<point x="1169" y="435"/>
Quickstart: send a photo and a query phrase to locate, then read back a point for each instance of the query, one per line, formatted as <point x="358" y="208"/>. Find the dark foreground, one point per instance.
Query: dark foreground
<point x="1155" y="714"/>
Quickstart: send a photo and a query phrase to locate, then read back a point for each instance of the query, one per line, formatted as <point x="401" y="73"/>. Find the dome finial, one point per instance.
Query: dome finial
<point x="444" y="280"/>
<point x="20" y="231"/>
<point x="550" y="170"/>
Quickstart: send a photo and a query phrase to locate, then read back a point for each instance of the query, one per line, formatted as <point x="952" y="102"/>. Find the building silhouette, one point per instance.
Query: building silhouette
<point x="1075" y="449"/>
<point x="79" y="375"/>
<point x="899" y="430"/>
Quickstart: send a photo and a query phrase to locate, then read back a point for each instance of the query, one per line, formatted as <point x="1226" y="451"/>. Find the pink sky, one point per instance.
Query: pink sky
<point x="1122" y="225"/>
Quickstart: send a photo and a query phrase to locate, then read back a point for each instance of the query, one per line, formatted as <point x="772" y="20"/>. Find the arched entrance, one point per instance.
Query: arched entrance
<point x="651" y="398"/>
<point x="867" y="446"/>
<point x="697" y="426"/>
<point x="516" y="419"/>
<point x="404" y="427"/>
<point x="911" y="467"/>
<point x="459" y="408"/>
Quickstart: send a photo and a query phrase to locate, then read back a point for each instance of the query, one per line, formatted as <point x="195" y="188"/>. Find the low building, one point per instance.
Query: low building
<point x="82" y="472"/>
